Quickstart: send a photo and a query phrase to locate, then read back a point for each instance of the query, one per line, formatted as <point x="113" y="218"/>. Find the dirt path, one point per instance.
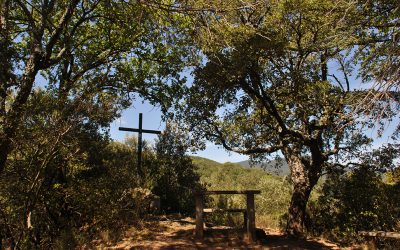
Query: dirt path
<point x="177" y="233"/>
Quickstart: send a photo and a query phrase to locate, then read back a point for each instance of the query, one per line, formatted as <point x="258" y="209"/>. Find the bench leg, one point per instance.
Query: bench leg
<point x="251" y="224"/>
<point x="199" y="231"/>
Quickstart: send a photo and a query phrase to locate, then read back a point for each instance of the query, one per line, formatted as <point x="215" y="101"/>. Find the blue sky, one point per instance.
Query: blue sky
<point x="152" y="120"/>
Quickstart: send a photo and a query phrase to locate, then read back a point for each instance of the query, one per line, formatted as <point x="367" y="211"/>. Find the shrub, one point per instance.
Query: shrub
<point x="357" y="200"/>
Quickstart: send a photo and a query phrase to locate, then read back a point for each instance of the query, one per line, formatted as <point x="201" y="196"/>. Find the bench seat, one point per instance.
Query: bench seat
<point x="223" y="210"/>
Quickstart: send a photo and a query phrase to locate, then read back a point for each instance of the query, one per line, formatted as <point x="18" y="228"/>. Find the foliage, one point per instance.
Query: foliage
<point x="176" y="178"/>
<point x="378" y="51"/>
<point x="56" y="175"/>
<point x="356" y="201"/>
<point x="393" y="176"/>
<point x="67" y="70"/>
<point x="66" y="183"/>
<point x="364" y="198"/>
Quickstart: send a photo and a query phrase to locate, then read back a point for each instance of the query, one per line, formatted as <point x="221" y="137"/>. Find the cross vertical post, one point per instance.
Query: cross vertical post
<point x="139" y="157"/>
<point x="140" y="131"/>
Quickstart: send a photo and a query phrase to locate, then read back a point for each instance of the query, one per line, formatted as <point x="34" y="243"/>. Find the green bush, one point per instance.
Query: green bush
<point x="355" y="201"/>
<point x="175" y="176"/>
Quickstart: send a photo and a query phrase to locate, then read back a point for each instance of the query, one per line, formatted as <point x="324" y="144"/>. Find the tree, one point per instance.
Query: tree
<point x="67" y="71"/>
<point x="176" y="176"/>
<point x="80" y="46"/>
<point x="265" y="87"/>
<point x="55" y="152"/>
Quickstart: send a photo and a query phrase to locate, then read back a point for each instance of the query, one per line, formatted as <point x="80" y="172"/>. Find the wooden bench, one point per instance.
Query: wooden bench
<point x="248" y="213"/>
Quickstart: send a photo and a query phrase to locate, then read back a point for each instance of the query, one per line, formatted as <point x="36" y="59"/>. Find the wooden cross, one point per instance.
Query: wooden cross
<point x="140" y="130"/>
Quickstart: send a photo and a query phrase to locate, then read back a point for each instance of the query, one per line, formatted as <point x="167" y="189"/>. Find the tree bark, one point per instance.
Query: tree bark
<point x="303" y="177"/>
<point x="5" y="76"/>
<point x="12" y="119"/>
<point x="297" y="209"/>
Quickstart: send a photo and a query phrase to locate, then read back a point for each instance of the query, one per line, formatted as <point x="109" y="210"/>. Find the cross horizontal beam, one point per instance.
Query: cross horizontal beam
<point x="140" y="131"/>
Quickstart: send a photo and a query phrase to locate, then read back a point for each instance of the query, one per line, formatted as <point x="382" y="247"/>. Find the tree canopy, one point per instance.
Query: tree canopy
<point x="84" y="50"/>
<point x="267" y="85"/>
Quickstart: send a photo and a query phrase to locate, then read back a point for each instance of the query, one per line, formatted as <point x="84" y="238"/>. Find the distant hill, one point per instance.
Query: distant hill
<point x="207" y="168"/>
<point x="200" y="161"/>
<point x="277" y="167"/>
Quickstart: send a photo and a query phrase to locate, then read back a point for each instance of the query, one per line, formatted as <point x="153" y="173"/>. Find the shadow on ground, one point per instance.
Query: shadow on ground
<point x="235" y="239"/>
<point x="173" y="233"/>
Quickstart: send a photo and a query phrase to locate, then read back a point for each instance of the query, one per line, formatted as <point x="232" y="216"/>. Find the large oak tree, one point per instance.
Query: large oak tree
<point x="275" y="79"/>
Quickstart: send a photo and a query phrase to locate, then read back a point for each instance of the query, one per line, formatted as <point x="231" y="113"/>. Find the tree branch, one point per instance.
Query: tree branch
<point x="220" y="137"/>
<point x="60" y="27"/>
<point x="27" y="14"/>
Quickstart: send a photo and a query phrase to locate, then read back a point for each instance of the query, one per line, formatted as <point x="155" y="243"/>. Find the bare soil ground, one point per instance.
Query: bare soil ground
<point x="173" y="232"/>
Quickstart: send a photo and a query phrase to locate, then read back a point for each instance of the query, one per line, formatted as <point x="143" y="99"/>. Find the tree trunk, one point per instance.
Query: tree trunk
<point x="297" y="209"/>
<point x="303" y="178"/>
<point x="10" y="121"/>
<point x="4" y="151"/>
<point x="5" y="76"/>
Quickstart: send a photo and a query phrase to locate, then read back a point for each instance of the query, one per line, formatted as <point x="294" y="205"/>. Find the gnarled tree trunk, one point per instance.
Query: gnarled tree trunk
<point x="297" y="209"/>
<point x="304" y="176"/>
<point x="5" y="76"/>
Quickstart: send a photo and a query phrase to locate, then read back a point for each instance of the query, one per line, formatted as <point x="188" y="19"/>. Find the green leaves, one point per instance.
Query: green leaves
<point x="355" y="201"/>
